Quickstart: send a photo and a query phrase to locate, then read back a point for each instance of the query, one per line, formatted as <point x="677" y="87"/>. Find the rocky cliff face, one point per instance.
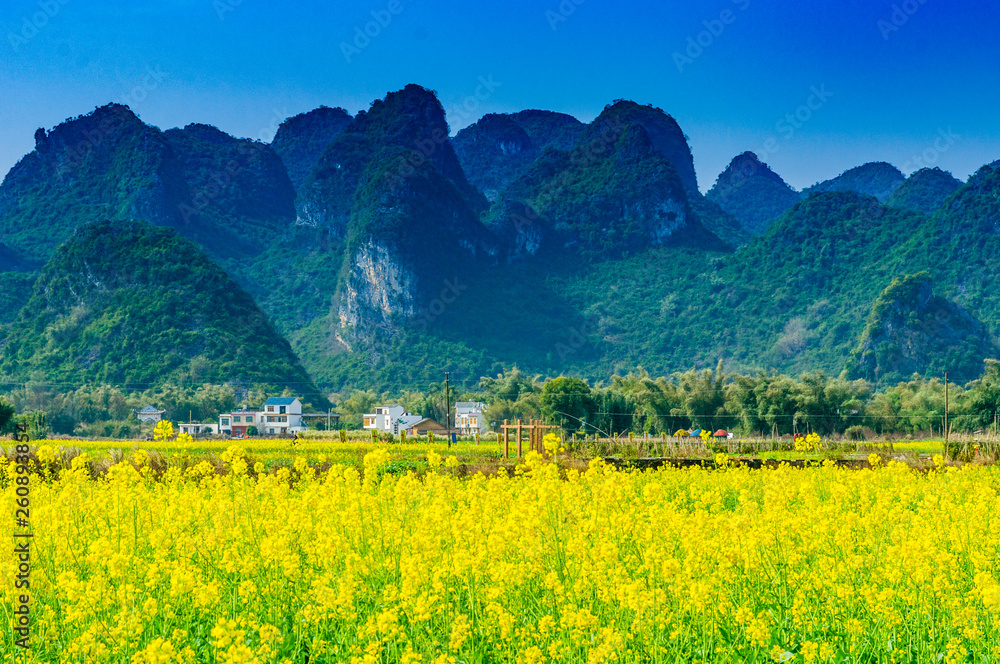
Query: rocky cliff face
<point x="407" y="237"/>
<point x="380" y="293"/>
<point x="911" y="330"/>
<point x="750" y="191"/>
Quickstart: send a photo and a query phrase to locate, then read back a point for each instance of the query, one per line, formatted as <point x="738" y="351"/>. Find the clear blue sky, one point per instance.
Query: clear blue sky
<point x="243" y="65"/>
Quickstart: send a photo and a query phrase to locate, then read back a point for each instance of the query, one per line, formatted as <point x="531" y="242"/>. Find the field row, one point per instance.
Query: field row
<point x="817" y="564"/>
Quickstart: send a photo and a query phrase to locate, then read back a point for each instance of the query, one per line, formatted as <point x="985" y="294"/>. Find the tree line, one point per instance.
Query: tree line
<point x="764" y="403"/>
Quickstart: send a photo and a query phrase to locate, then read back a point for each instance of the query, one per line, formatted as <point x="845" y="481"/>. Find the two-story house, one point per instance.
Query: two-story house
<point x="237" y="422"/>
<point x="281" y="415"/>
<point x="390" y="419"/>
<point x="470" y="417"/>
<point x="278" y="415"/>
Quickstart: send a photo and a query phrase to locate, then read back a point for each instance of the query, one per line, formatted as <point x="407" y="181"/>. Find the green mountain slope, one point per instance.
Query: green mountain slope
<point x="911" y="330"/>
<point x="877" y="179"/>
<point x="750" y="191"/>
<point x="619" y="197"/>
<point x="924" y="191"/>
<point x="301" y="139"/>
<point x="595" y="254"/>
<point x="501" y="147"/>
<point x="411" y="119"/>
<point x="106" y="164"/>
<point x="129" y="304"/>
<point x="240" y="194"/>
<point x="228" y="195"/>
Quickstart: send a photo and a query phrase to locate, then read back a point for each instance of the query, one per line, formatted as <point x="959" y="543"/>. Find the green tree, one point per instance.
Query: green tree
<point x="569" y="400"/>
<point x="6" y="413"/>
<point x="982" y="400"/>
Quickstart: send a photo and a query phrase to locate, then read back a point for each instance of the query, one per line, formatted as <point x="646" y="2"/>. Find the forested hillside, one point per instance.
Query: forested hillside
<point x="387" y="252"/>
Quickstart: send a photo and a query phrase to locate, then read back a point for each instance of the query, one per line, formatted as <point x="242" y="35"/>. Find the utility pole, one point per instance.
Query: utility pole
<point x="447" y="412"/>
<point x="946" y="428"/>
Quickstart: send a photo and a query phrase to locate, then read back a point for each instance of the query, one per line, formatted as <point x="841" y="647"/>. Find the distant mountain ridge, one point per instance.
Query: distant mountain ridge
<point x="876" y="178"/>
<point x="228" y="194"/>
<point x="385" y="251"/>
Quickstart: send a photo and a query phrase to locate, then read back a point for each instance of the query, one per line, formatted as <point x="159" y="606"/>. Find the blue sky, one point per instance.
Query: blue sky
<point x="911" y="83"/>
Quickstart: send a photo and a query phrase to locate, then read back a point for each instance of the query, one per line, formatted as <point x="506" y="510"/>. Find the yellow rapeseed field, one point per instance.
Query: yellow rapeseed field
<point x="804" y="565"/>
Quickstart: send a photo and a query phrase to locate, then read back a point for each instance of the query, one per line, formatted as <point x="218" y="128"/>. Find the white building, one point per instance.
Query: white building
<point x="281" y="415"/>
<point x="390" y="419"/>
<point x="194" y="428"/>
<point x="470" y="417"/>
<point x="149" y="414"/>
<point x="278" y="415"/>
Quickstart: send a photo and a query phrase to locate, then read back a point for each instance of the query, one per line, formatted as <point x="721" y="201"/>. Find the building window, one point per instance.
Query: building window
<point x="283" y="418"/>
<point x="249" y="419"/>
<point x="236" y="418"/>
<point x="225" y="421"/>
<point x="270" y="409"/>
<point x="281" y="409"/>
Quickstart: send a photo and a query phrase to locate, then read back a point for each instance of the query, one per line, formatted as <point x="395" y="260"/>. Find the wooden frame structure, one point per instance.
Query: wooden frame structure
<point x="536" y="431"/>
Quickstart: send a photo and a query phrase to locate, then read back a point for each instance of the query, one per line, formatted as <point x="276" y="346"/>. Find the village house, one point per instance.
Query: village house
<point x="278" y="415"/>
<point x="390" y="419"/>
<point x="237" y="422"/>
<point x="425" y="425"/>
<point x="470" y="418"/>
<point x="281" y="415"/>
<point x="194" y="428"/>
<point x="149" y="414"/>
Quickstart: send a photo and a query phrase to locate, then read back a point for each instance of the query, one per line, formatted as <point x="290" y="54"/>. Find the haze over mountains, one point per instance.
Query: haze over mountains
<point x="386" y="252"/>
